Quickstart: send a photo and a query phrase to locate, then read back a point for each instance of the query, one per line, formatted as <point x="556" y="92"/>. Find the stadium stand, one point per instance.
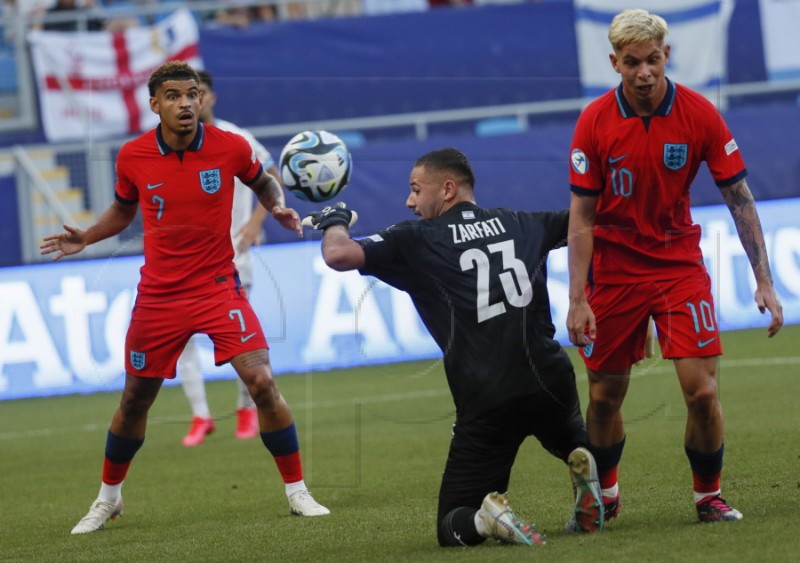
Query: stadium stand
<point x="504" y="87"/>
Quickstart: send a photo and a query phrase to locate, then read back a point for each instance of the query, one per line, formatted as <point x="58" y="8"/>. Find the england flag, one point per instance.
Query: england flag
<point x="93" y="85"/>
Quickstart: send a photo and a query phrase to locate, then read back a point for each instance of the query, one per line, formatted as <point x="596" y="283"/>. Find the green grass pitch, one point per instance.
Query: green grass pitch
<point x="374" y="443"/>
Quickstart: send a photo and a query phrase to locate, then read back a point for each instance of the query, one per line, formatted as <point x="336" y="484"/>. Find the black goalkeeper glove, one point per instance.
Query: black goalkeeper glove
<point x="332" y="215"/>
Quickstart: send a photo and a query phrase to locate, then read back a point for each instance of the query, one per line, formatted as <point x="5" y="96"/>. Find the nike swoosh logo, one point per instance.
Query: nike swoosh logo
<point x="248" y="337"/>
<point x="704" y="343"/>
<point x="613" y="160"/>
<point x="154" y="186"/>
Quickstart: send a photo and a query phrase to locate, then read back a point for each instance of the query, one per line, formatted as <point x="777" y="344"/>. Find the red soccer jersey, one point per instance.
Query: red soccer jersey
<point x="186" y="199"/>
<point x="641" y="169"/>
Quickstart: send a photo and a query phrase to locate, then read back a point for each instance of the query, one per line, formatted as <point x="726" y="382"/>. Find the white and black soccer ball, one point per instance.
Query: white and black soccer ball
<point x="315" y="165"/>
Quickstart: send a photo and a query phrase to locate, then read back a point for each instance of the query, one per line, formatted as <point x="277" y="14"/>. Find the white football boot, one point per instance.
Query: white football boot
<point x="99" y="513"/>
<point x="303" y="504"/>
<point x="504" y="525"/>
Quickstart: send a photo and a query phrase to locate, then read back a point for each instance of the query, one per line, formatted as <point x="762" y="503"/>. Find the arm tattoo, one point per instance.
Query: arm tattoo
<point x="742" y="207"/>
<point x="269" y="191"/>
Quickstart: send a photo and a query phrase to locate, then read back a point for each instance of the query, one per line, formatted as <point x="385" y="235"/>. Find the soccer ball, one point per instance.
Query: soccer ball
<point x="315" y="165"/>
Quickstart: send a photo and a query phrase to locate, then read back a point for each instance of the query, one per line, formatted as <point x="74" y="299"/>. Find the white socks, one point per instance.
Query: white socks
<point x="611" y="492"/>
<point x="700" y="496"/>
<point x="292" y="488"/>
<point x="110" y="493"/>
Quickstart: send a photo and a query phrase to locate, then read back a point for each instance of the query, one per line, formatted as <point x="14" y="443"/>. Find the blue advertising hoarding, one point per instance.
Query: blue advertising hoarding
<point x="62" y="325"/>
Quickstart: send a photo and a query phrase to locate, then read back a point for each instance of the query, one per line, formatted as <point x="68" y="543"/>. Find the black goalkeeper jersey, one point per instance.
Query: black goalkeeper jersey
<point x="477" y="278"/>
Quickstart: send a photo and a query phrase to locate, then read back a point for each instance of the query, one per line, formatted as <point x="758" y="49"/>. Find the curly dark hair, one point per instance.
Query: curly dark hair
<point x="171" y="70"/>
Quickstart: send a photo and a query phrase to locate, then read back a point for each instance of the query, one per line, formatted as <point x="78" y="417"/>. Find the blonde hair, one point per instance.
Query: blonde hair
<point x="636" y="26"/>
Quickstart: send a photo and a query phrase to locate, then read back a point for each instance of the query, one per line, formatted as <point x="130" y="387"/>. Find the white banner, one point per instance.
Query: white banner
<point x="779" y="20"/>
<point x="94" y="84"/>
<point x="698" y="39"/>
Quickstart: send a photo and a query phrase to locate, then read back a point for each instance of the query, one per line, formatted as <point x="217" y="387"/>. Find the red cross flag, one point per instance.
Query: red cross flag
<point x="94" y="84"/>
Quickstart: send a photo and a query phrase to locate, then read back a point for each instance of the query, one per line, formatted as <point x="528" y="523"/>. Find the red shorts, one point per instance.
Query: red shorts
<point x="160" y="328"/>
<point x="683" y="310"/>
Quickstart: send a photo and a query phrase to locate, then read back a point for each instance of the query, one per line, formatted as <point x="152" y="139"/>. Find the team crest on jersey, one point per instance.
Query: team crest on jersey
<point x="210" y="180"/>
<point x="675" y="155"/>
<point x="137" y="359"/>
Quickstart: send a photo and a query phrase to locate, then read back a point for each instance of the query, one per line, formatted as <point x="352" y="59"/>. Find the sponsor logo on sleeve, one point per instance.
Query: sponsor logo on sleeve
<point x="731" y="147"/>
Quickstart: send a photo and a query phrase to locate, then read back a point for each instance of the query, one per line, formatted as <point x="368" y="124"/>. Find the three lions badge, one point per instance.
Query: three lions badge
<point x="210" y="180"/>
<point x="675" y="155"/>
<point x="137" y="359"/>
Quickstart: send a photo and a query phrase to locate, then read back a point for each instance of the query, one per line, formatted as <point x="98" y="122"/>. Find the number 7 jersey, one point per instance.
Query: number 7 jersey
<point x="186" y="198"/>
<point x="478" y="280"/>
<point x="641" y="170"/>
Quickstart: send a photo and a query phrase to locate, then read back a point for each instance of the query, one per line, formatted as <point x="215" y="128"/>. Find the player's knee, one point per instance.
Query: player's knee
<point x="135" y="406"/>
<point x="606" y="393"/>
<point x="702" y="401"/>
<point x="264" y="391"/>
<point x="605" y="404"/>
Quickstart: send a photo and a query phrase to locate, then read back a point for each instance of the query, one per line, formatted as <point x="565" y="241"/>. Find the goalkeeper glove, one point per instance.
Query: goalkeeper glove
<point x="332" y="215"/>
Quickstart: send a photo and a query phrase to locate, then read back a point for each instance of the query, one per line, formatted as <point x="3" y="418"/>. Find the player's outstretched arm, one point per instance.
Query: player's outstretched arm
<point x="70" y="242"/>
<point x="339" y="251"/>
<point x="112" y="222"/>
<point x="270" y="195"/>
<point x="742" y="206"/>
<point x="288" y="218"/>
<point x="580" y="243"/>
